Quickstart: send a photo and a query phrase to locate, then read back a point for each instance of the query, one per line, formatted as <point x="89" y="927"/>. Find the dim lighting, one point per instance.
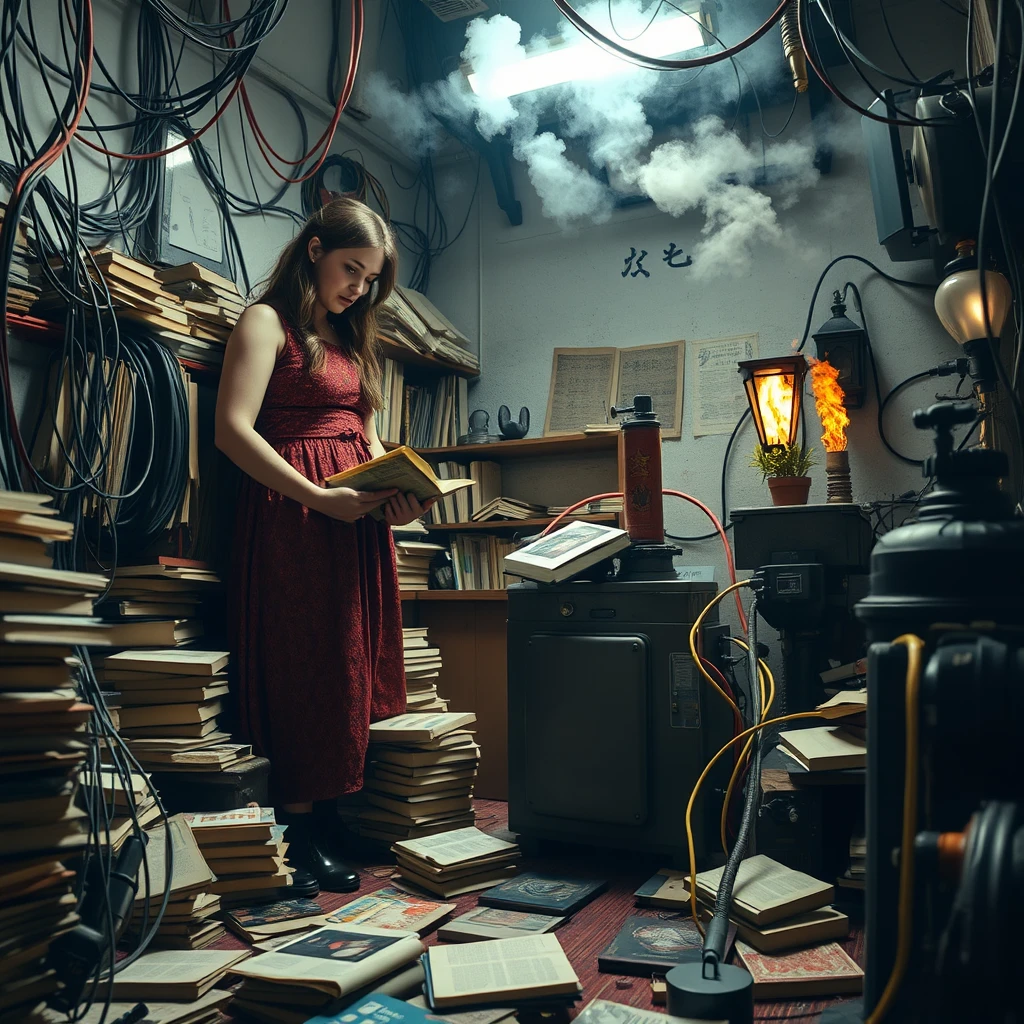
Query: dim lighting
<point x="582" y="61"/>
<point x="958" y="298"/>
<point x="774" y="388"/>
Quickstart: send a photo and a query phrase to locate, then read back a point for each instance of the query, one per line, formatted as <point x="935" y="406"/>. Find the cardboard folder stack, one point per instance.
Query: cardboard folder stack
<point x="419" y="777"/>
<point x="422" y="668"/>
<point x="408" y="318"/>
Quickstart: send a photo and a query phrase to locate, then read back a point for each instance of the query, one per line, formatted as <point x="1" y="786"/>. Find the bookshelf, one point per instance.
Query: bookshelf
<point x="470" y="625"/>
<point x="401" y="354"/>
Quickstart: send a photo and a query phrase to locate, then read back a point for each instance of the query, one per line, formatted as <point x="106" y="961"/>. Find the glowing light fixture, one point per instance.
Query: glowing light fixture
<point x="958" y="298"/>
<point x="774" y="390"/>
<point x="582" y="61"/>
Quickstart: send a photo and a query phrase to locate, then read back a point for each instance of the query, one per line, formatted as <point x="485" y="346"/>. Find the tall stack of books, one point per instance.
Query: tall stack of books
<point x="774" y="908"/>
<point x="188" y="921"/>
<point x="456" y="862"/>
<point x="171" y="700"/>
<point x="246" y="850"/>
<point x="419" y="777"/>
<point x="131" y="798"/>
<point x="422" y="668"/>
<point x="413" y="555"/>
<point x="212" y="303"/>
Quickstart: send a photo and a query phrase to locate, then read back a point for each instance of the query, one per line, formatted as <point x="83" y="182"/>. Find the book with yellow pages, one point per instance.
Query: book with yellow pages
<point x="402" y="469"/>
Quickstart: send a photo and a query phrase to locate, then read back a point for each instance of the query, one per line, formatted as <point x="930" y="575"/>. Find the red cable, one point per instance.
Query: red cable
<point x="675" y="494"/>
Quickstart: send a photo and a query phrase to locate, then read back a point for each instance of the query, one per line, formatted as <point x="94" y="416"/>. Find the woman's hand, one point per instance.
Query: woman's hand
<point x="402" y="509"/>
<point x="347" y="505"/>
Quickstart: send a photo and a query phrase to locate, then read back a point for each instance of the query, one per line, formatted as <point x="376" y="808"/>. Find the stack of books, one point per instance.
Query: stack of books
<point x="774" y="908"/>
<point x="169" y="975"/>
<point x="246" y="850"/>
<point x="465" y="505"/>
<point x="824" y="748"/>
<point x="170" y="703"/>
<point x="413" y="555"/>
<point x="479" y="561"/>
<point x="212" y="303"/>
<point x="422" y="668"/>
<point x="188" y="921"/>
<point x="132" y="798"/>
<point x="408" y="318"/>
<point x="327" y="968"/>
<point x="509" y="508"/>
<point x="822" y="970"/>
<point x="456" y="862"/>
<point x="855" y="876"/>
<point x="23" y="286"/>
<point x="419" y="777"/>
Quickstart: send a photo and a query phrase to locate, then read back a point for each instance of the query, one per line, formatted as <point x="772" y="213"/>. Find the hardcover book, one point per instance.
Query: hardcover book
<point x="647" y="945"/>
<point x="818" y="971"/>
<point x="544" y="893"/>
<point x="566" y="552"/>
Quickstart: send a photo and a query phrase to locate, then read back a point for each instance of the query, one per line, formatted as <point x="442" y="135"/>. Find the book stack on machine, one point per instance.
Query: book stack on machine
<point x="188" y="920"/>
<point x="422" y="668"/>
<point x="419" y="777"/>
<point x="43" y="744"/>
<point x="774" y="908"/>
<point x="171" y="700"/>
<point x="453" y="863"/>
<point x="327" y="969"/>
<point x="246" y="850"/>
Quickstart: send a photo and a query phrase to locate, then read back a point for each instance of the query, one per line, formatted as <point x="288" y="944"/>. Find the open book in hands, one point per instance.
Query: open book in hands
<point x="401" y="469"/>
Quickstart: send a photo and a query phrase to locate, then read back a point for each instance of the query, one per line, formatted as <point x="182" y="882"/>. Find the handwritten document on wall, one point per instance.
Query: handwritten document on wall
<point x="655" y="370"/>
<point x="720" y="399"/>
<point x="582" y="389"/>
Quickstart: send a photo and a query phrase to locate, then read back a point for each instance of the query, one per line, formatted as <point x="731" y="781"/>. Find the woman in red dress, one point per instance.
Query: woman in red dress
<point x="314" y="606"/>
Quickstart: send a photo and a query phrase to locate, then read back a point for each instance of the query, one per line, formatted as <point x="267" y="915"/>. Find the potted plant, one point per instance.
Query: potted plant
<point x="785" y="468"/>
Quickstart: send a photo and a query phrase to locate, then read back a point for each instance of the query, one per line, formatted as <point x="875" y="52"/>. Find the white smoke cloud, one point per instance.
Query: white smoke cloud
<point x="711" y="170"/>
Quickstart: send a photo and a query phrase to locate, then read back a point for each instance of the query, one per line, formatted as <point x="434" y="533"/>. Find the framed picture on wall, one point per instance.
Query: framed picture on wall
<point x="187" y="223"/>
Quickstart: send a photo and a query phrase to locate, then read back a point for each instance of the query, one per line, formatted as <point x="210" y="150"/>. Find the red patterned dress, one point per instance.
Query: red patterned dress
<point x="314" y="608"/>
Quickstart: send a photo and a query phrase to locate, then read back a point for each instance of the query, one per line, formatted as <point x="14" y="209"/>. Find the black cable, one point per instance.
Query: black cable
<point x="892" y="40"/>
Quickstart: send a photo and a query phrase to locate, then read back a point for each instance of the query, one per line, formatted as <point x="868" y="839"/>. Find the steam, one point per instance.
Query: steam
<point x="711" y="170"/>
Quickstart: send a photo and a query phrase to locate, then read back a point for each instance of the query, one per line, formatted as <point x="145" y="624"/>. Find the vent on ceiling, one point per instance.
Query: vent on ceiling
<point x="452" y="10"/>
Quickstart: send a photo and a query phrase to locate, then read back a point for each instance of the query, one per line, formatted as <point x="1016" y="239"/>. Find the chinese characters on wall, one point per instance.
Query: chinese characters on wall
<point x="674" y="257"/>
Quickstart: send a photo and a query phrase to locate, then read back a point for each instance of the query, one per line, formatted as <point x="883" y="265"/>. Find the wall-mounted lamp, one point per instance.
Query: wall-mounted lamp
<point x="774" y="390"/>
<point x="843" y="344"/>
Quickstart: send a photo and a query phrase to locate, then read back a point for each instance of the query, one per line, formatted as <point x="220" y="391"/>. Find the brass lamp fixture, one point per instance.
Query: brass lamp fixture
<point x="774" y="389"/>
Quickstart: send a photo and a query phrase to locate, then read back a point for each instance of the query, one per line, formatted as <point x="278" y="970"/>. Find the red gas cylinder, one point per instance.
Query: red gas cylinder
<point x="640" y="473"/>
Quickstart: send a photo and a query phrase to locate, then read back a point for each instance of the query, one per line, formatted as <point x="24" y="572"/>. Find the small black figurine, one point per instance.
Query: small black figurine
<point x="479" y="422"/>
<point x="511" y="429"/>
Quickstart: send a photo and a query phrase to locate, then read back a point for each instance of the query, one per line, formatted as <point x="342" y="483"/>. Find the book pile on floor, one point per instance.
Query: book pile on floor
<point x="187" y="922"/>
<point x="305" y="977"/>
<point x="169" y="975"/>
<point x="246" y="850"/>
<point x="456" y="862"/>
<point x="171" y="700"/>
<point x="422" y="668"/>
<point x="408" y="318"/>
<point x="774" y="908"/>
<point x="132" y="798"/>
<point x="212" y="303"/>
<point x="413" y="555"/>
<point x="419" y="777"/>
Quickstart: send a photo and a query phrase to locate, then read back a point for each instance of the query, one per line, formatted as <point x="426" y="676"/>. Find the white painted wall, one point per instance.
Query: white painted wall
<point x="543" y="288"/>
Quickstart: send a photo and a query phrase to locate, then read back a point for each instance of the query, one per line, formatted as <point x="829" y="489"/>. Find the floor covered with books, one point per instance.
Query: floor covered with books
<point x="593" y="927"/>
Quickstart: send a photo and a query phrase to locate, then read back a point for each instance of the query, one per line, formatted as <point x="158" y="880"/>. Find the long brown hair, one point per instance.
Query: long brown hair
<point x="291" y="287"/>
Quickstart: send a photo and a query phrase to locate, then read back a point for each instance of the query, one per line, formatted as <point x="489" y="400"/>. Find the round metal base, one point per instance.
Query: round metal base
<point x="729" y="997"/>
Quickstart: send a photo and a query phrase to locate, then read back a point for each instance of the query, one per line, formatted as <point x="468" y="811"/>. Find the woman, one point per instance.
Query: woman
<point x="314" y="605"/>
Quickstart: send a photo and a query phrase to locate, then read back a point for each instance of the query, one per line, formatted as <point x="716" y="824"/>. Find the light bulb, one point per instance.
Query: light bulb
<point x="958" y="304"/>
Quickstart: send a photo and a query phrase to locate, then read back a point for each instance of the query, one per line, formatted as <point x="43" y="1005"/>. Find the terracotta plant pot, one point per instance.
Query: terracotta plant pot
<point x="789" y="490"/>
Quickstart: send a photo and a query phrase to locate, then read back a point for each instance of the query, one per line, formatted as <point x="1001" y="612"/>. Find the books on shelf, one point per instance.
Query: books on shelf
<point x="509" y="508"/>
<point x="408" y="318"/>
<point x="478" y="561"/>
<point x="823" y="970"/>
<point x="456" y="862"/>
<point x="566" y="552"/>
<point x="430" y="414"/>
<point x="532" y="971"/>
<point x="824" y="748"/>
<point x="413" y="555"/>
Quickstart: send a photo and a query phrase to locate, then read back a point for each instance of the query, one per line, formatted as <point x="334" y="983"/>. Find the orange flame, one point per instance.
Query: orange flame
<point x="828" y="399"/>
<point x="775" y="400"/>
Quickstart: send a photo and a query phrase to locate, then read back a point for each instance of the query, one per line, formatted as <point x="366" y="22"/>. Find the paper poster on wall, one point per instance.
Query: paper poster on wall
<point x="582" y="389"/>
<point x="655" y="370"/>
<point x="718" y="390"/>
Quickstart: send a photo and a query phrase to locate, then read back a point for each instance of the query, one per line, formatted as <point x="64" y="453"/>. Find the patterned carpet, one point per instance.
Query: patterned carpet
<point x="593" y="927"/>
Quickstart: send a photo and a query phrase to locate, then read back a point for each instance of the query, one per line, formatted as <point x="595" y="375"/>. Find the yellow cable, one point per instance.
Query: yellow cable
<point x="905" y="920"/>
<point x="696" y="789"/>
<point x="693" y="641"/>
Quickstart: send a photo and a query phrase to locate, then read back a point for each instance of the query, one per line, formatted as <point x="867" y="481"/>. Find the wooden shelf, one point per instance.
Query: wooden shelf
<point x="401" y="354"/>
<point x="454" y="595"/>
<point x="528" y="448"/>
<point x="512" y="524"/>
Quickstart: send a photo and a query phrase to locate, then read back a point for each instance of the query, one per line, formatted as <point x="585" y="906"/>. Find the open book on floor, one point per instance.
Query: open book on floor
<point x="402" y="469"/>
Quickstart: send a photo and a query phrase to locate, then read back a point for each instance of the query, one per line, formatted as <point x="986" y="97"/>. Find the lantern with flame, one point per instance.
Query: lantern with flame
<point x="829" y="401"/>
<point x="774" y="388"/>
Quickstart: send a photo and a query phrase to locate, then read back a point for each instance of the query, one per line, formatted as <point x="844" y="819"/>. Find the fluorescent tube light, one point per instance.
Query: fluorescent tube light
<point x="582" y="61"/>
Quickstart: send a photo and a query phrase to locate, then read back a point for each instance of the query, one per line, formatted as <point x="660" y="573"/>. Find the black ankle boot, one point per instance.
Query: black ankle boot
<point x="310" y="849"/>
